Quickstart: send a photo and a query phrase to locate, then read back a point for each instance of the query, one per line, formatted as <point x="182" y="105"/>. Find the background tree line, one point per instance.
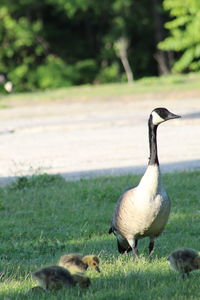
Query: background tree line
<point x="56" y="43"/>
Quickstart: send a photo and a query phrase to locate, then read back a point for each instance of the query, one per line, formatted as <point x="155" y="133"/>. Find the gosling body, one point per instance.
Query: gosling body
<point x="54" y="278"/>
<point x="184" y="261"/>
<point x="77" y="263"/>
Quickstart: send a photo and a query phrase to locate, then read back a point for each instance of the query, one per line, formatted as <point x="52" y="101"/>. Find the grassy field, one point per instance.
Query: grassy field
<point x="43" y="217"/>
<point x="171" y="83"/>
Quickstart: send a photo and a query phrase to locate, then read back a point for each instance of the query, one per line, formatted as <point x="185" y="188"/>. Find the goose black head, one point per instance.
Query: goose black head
<point x="161" y="114"/>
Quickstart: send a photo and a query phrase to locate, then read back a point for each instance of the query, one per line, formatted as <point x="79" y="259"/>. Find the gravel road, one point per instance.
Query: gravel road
<point x="86" y="138"/>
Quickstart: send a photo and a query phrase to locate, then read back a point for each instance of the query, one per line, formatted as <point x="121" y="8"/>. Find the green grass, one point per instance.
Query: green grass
<point x="108" y="91"/>
<point x="43" y="217"/>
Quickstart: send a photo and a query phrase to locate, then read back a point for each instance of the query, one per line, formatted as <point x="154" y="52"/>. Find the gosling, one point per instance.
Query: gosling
<point x="54" y="278"/>
<point x="77" y="263"/>
<point x="184" y="261"/>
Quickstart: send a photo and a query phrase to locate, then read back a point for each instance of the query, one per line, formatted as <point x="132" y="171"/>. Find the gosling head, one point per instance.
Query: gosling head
<point x="160" y="115"/>
<point x="83" y="281"/>
<point x="197" y="262"/>
<point x="92" y="261"/>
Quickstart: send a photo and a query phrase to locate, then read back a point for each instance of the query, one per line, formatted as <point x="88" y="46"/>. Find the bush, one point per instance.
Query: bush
<point x="109" y="74"/>
<point x="20" y="49"/>
<point x="85" y="71"/>
<point x="54" y="73"/>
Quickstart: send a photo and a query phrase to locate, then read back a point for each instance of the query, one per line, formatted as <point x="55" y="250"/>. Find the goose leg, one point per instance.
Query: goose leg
<point x="133" y="244"/>
<point x="135" y="252"/>
<point x="151" y="246"/>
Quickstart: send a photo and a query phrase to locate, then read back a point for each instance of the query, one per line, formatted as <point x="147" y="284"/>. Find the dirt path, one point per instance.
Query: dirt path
<point x="79" y="139"/>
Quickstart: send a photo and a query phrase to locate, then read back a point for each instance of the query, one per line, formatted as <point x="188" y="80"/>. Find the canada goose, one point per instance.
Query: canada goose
<point x="77" y="263"/>
<point x="143" y="211"/>
<point x="54" y="278"/>
<point x="184" y="261"/>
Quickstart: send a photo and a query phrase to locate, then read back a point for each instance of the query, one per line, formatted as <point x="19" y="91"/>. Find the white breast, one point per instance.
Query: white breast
<point x="145" y="208"/>
<point x="149" y="185"/>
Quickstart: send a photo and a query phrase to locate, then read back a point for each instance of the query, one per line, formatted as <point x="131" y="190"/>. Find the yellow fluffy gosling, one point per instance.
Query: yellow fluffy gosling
<point x="77" y="263"/>
<point x="184" y="261"/>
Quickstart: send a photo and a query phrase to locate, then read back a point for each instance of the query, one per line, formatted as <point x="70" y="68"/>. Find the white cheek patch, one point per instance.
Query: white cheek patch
<point x="156" y="119"/>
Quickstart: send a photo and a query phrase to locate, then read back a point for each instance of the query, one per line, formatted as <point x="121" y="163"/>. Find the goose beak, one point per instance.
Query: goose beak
<point x="172" y="116"/>
<point x="97" y="269"/>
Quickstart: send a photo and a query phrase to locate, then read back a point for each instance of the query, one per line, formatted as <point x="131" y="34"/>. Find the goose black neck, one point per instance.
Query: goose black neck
<point x="153" y="159"/>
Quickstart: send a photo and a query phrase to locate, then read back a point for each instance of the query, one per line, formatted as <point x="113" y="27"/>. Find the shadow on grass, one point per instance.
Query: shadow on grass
<point x="166" y="167"/>
<point x="189" y="165"/>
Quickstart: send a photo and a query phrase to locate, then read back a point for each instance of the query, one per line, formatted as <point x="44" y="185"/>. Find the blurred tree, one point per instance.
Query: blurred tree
<point x="121" y="46"/>
<point x="56" y="43"/>
<point x="21" y="48"/>
<point x="184" y="33"/>
<point x="131" y="19"/>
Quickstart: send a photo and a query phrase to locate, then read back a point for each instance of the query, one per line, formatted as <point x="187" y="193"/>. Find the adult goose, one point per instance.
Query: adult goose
<point x="143" y="211"/>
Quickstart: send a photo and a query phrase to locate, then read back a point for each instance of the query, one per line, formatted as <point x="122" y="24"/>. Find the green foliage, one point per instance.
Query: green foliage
<point x="184" y="33"/>
<point x="17" y="36"/>
<point x="108" y="73"/>
<point x="54" y="73"/>
<point x="85" y="71"/>
<point x="51" y="217"/>
<point x="50" y="44"/>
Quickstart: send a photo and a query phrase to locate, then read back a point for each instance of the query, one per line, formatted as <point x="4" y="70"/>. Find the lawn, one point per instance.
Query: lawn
<point x="171" y="83"/>
<point x="43" y="217"/>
